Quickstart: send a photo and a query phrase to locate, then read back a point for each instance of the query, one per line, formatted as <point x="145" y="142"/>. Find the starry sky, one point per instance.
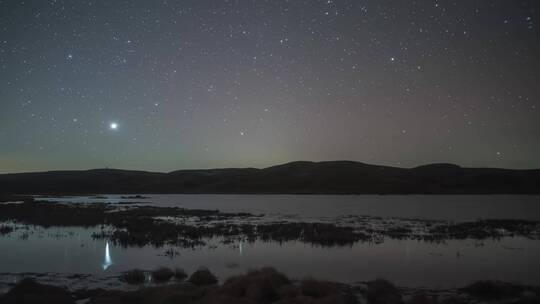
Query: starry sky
<point x="166" y="85"/>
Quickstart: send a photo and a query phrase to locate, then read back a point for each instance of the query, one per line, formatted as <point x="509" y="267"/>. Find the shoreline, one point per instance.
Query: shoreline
<point x="132" y="224"/>
<point x="265" y="285"/>
<point x="126" y="225"/>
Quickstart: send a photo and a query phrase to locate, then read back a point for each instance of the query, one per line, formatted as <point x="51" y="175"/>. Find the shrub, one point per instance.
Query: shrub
<point x="288" y="292"/>
<point x="318" y="289"/>
<point x="383" y="292"/>
<point x="264" y="285"/>
<point x="162" y="275"/>
<point x="493" y="290"/>
<point x="134" y="276"/>
<point x="180" y="274"/>
<point x="29" y="291"/>
<point x="421" y="298"/>
<point x="4" y="230"/>
<point x="203" y="276"/>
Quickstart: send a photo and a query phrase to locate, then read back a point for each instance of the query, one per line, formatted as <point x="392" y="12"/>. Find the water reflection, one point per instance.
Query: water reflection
<point x="407" y="263"/>
<point x="108" y="261"/>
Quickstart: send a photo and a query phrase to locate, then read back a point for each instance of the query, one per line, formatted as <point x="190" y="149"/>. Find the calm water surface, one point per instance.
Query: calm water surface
<point x="407" y="263"/>
<point x="436" y="207"/>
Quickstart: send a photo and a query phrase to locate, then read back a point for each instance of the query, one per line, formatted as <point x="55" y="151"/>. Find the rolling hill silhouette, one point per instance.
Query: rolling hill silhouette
<point x="302" y="177"/>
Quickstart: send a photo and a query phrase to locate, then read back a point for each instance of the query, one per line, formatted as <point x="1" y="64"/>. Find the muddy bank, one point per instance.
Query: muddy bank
<point x="265" y="285"/>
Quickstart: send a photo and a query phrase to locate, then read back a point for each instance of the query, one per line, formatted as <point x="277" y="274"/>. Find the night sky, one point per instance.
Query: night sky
<point x="166" y="85"/>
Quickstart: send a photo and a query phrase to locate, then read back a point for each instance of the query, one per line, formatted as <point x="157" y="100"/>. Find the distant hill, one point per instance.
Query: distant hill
<point x="302" y="177"/>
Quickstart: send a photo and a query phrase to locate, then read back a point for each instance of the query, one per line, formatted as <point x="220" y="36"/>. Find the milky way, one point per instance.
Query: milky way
<point x="165" y="85"/>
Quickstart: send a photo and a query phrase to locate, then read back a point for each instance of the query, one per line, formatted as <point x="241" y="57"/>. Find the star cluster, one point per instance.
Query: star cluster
<point x="165" y="85"/>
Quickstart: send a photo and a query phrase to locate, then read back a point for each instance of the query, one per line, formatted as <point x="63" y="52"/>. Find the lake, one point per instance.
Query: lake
<point x="436" y="207"/>
<point x="411" y="263"/>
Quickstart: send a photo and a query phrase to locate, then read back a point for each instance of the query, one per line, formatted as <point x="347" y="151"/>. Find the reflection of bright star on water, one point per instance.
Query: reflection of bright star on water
<point x="113" y="126"/>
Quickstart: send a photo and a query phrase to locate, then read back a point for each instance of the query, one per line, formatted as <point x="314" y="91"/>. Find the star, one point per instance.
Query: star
<point x="325" y="68"/>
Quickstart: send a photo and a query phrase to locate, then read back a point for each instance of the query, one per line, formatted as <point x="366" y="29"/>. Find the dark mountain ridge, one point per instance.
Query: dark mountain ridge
<point x="302" y="177"/>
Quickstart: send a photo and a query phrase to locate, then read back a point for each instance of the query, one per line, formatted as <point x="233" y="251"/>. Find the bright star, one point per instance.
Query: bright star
<point x="113" y="126"/>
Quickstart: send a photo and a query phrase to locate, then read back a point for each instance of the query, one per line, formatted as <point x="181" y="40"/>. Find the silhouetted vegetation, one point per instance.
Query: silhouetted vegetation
<point x="318" y="289"/>
<point x="134" y="277"/>
<point x="4" y="229"/>
<point x="162" y="275"/>
<point x="203" y="277"/>
<point x="383" y="292"/>
<point x="264" y="286"/>
<point x="491" y="290"/>
<point x="138" y="196"/>
<point x="188" y="228"/>
<point x="28" y="291"/>
<point x="180" y="274"/>
<point x="483" y="229"/>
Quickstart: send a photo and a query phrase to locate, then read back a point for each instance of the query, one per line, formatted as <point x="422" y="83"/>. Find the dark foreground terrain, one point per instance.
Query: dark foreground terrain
<point x="262" y="286"/>
<point x="335" y="177"/>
